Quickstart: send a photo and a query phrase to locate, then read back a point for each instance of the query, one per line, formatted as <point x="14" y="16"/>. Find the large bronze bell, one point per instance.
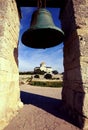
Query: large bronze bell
<point x="42" y="33"/>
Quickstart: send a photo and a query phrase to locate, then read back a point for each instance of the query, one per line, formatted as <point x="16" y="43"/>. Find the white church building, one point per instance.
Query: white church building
<point x="43" y="67"/>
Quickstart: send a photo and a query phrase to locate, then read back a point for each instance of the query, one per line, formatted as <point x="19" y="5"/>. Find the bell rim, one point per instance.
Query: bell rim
<point x="26" y="35"/>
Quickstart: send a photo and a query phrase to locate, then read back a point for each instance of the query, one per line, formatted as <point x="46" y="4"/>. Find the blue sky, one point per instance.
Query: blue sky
<point x="29" y="57"/>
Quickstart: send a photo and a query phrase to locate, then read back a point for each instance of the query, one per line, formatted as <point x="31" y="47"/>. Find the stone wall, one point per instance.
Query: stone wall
<point x="74" y="19"/>
<point x="9" y="76"/>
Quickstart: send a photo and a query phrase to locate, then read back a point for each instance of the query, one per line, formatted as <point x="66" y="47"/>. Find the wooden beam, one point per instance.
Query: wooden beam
<point x="33" y="3"/>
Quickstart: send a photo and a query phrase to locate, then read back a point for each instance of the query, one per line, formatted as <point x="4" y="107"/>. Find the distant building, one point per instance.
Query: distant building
<point x="44" y="68"/>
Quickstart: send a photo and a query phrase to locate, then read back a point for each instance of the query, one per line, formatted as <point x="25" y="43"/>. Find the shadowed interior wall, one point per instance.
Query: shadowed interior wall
<point x="74" y="18"/>
<point x="9" y="76"/>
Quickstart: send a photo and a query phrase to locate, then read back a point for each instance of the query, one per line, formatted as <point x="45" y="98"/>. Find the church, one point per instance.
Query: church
<point x="43" y="67"/>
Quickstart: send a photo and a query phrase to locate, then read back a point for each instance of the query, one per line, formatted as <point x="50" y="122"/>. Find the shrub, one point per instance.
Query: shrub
<point x="47" y="84"/>
<point x="36" y="76"/>
<point x="55" y="72"/>
<point x="48" y="76"/>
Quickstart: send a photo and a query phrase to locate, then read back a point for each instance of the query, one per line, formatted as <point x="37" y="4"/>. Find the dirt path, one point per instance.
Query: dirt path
<point x="41" y="110"/>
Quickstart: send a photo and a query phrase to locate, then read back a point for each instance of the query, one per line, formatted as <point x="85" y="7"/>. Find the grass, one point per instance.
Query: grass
<point x="55" y="84"/>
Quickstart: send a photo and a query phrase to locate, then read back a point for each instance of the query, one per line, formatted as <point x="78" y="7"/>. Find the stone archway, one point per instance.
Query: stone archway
<point x="75" y="90"/>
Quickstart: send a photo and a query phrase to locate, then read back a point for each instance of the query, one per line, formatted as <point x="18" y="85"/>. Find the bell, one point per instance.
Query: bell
<point x="42" y="33"/>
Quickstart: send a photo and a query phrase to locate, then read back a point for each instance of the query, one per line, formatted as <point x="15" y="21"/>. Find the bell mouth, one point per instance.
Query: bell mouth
<point x="42" y="38"/>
